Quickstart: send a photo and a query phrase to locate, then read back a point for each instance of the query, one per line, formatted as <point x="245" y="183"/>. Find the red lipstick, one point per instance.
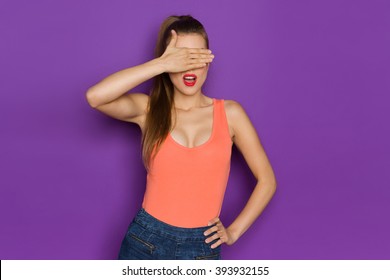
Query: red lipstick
<point x="189" y="79"/>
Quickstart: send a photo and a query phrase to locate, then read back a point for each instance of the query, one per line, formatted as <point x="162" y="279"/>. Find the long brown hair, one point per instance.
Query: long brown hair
<point x="158" y="119"/>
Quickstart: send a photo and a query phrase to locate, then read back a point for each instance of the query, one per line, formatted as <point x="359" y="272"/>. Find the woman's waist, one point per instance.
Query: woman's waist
<point x="183" y="213"/>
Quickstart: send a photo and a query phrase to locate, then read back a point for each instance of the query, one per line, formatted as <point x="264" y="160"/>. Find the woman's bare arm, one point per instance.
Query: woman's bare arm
<point x="247" y="141"/>
<point x="108" y="95"/>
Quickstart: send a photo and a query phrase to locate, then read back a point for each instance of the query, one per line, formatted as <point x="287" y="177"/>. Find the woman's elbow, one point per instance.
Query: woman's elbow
<point x="272" y="184"/>
<point x="90" y="96"/>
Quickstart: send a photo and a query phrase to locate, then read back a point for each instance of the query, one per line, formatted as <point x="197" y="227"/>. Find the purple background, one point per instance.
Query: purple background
<point x="313" y="77"/>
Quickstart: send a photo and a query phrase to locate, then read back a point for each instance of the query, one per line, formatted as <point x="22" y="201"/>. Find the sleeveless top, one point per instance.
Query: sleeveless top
<point x="185" y="186"/>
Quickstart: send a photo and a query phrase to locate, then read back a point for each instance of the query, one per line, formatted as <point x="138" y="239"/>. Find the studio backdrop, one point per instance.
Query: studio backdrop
<point x="313" y="76"/>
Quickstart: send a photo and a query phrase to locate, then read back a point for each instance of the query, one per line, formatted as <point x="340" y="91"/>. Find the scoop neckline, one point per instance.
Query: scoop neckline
<point x="203" y="144"/>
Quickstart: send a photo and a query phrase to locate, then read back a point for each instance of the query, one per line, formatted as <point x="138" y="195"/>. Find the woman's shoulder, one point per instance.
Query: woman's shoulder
<point x="235" y="114"/>
<point x="233" y="107"/>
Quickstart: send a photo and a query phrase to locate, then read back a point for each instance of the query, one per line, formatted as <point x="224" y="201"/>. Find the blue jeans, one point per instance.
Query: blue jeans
<point x="148" y="238"/>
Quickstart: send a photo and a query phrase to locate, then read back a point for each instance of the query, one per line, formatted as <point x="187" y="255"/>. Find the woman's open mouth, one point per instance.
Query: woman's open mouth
<point x="189" y="79"/>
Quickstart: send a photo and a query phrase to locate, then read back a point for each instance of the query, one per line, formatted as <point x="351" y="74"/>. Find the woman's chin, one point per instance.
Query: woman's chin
<point x="188" y="90"/>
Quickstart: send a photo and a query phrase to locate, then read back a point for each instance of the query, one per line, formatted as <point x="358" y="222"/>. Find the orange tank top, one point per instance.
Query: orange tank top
<point x="185" y="186"/>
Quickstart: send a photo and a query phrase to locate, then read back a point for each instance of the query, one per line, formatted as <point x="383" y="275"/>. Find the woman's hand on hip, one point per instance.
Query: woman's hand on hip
<point x="183" y="59"/>
<point x="224" y="235"/>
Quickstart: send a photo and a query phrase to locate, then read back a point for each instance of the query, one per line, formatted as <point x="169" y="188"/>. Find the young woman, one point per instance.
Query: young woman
<point x="186" y="147"/>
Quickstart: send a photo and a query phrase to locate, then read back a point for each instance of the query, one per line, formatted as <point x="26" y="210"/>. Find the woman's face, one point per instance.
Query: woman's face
<point x="189" y="86"/>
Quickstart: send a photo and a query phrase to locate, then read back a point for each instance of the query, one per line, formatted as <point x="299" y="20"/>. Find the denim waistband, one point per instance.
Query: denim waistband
<point x="151" y="223"/>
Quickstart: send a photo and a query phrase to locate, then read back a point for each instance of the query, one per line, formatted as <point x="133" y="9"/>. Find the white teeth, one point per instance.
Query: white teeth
<point x="189" y="78"/>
